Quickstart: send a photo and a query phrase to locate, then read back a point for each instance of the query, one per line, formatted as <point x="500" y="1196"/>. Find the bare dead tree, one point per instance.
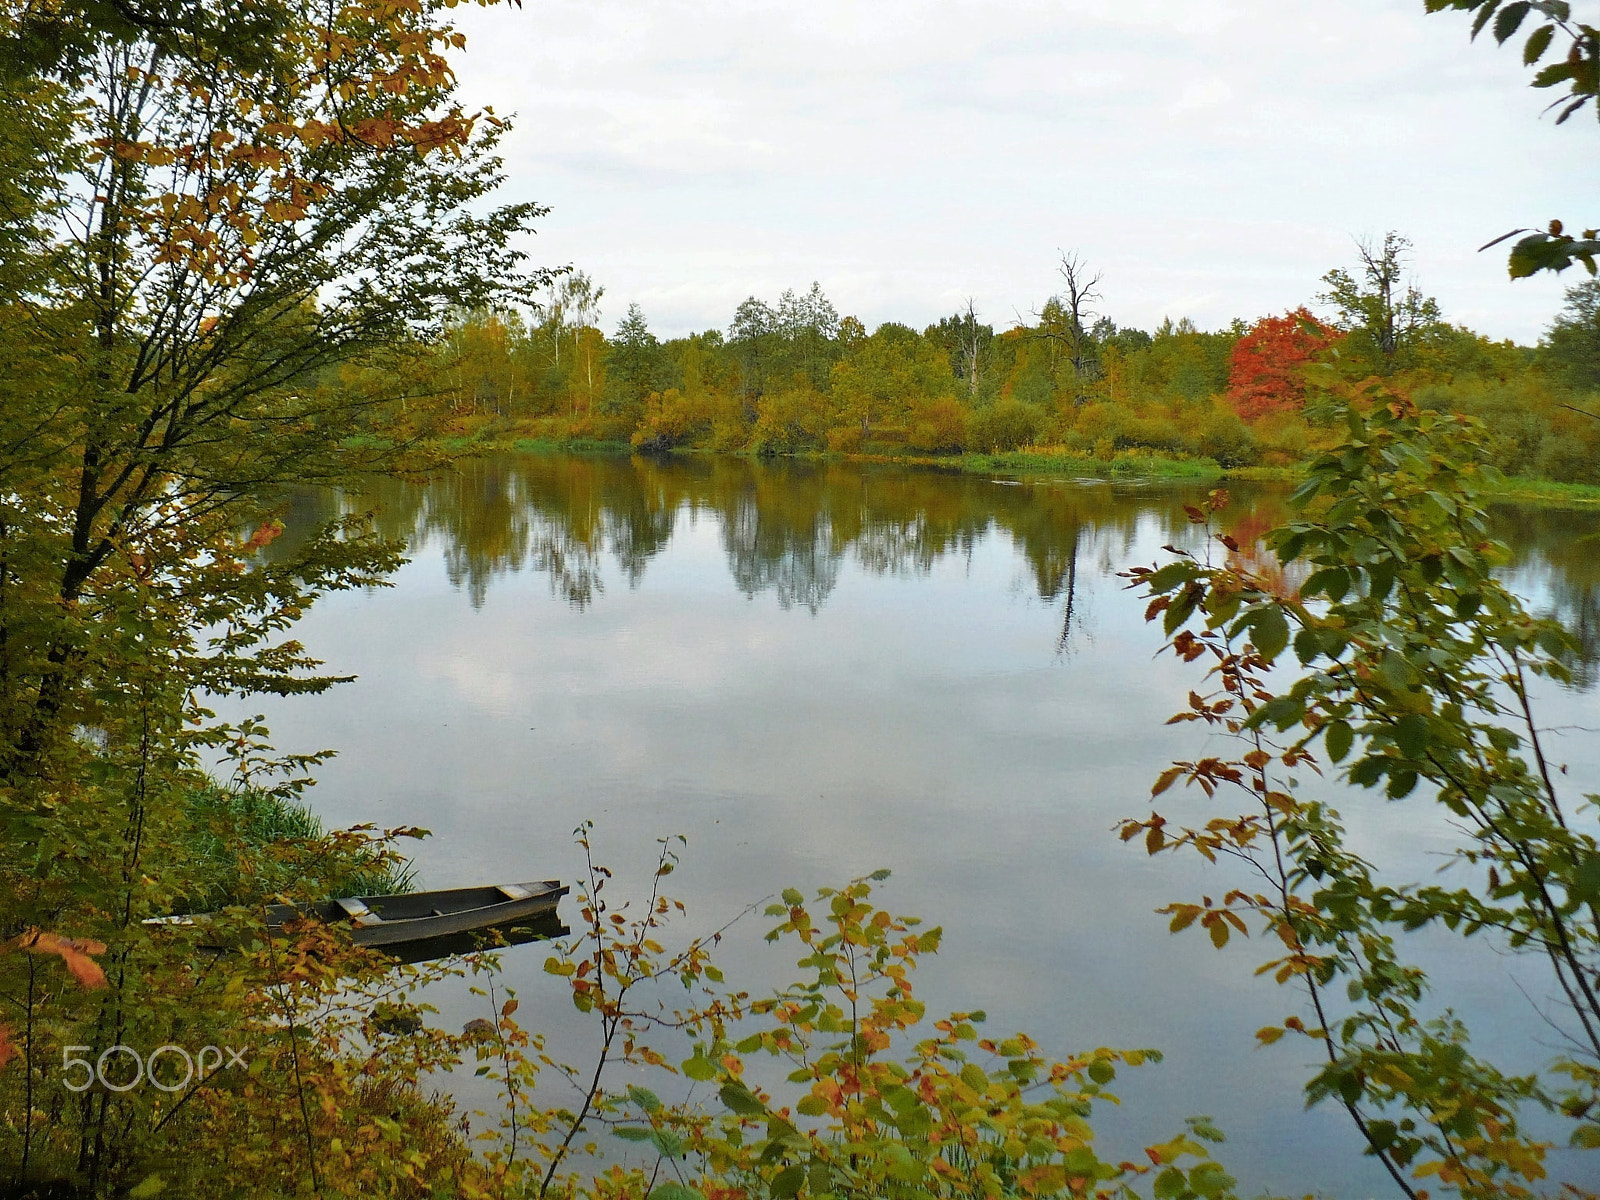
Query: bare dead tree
<point x="1066" y="319"/>
<point x="969" y="345"/>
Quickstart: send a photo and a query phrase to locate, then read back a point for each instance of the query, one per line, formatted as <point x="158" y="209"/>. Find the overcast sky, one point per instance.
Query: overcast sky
<point x="1212" y="158"/>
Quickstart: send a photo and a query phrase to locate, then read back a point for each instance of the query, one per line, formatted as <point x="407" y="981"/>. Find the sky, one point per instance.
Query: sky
<point x="1209" y="158"/>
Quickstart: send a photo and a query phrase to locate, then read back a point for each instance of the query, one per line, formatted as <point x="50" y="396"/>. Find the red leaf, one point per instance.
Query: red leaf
<point x="1266" y="372"/>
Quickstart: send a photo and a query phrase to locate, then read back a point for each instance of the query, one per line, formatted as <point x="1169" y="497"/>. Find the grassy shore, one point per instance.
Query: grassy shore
<point x="246" y="847"/>
<point x="1545" y="492"/>
<point x="1125" y="466"/>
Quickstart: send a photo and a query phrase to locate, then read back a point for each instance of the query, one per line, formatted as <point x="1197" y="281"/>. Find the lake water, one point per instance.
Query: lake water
<point x="813" y="671"/>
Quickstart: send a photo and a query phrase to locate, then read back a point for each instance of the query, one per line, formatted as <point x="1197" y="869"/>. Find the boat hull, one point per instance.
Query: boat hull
<point x="425" y="921"/>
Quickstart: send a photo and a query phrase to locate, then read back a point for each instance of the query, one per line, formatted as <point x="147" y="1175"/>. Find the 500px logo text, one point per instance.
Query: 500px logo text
<point x="113" y="1066"/>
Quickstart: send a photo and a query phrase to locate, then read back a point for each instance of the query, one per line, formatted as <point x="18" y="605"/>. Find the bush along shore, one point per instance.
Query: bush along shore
<point x="1053" y="461"/>
<point x="1099" y="400"/>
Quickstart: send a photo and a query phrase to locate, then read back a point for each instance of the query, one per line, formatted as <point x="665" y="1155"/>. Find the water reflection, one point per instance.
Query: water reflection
<point x="891" y="700"/>
<point x="787" y="528"/>
<point x="1556" y="562"/>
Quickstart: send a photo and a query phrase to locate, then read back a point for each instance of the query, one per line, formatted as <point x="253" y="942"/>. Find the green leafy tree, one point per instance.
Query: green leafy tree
<point x="810" y="326"/>
<point x="1387" y="317"/>
<point x="634" y="362"/>
<point x="1066" y="321"/>
<point x="886" y="374"/>
<point x="212" y="210"/>
<point x="966" y="342"/>
<point x="1572" y="343"/>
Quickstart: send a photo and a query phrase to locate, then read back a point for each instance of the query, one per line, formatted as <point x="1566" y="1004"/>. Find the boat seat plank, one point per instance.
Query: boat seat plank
<point x="357" y="911"/>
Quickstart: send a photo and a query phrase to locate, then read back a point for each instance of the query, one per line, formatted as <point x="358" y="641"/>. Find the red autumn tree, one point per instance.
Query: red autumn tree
<point x="1265" y="373"/>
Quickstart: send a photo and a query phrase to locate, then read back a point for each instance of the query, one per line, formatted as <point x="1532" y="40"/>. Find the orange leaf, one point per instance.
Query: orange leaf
<point x="264" y="536"/>
<point x="74" y="952"/>
<point x="1219" y="932"/>
<point x="1166" y="779"/>
<point x="7" y="1050"/>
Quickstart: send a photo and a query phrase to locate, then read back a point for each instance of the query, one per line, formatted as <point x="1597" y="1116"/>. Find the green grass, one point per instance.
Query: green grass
<point x="244" y="847"/>
<point x="1545" y="492"/>
<point x="569" y="446"/>
<point x="1124" y="466"/>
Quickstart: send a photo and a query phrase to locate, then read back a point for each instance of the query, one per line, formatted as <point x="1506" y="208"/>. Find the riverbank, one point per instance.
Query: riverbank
<point x="1125" y="466"/>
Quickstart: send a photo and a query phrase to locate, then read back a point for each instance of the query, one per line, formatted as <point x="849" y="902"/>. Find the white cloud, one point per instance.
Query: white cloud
<point x="1212" y="159"/>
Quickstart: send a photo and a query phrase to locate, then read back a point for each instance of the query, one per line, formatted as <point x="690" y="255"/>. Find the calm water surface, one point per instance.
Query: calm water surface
<point x="815" y="671"/>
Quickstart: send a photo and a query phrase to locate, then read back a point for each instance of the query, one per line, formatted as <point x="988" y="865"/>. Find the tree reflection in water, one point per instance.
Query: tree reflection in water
<point x="787" y="528"/>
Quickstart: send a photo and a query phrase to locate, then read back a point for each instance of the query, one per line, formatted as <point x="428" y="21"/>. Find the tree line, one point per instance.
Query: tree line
<point x="793" y="376"/>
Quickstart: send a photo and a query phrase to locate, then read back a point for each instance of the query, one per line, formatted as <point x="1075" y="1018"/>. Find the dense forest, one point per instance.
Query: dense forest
<point x="793" y="376"/>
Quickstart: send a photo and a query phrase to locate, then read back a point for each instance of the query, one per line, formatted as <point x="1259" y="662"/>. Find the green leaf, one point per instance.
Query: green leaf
<point x="1584" y="1137"/>
<point x="1332" y="582"/>
<point x="1170" y="1184"/>
<point x="1584" y="883"/>
<point x="811" y="1106"/>
<point x="633" y="1133"/>
<point x="1270" y="632"/>
<point x="147" y="1188"/>
<point x="1381" y="1135"/>
<point x="792" y="897"/>
<point x="1411" y="734"/>
<point x="741" y="1100"/>
<point x="787" y="1182"/>
<point x="1549" y="76"/>
<point x="1101" y="1071"/>
<point x="1510" y="18"/>
<point x="673" y="1190"/>
<point x="644" y="1098"/>
<point x="1538" y="42"/>
<point x="1282" y="711"/>
<point x="699" y="1068"/>
<point x="1338" y="737"/>
<point x="821" y="1179"/>
<point x="1169" y="577"/>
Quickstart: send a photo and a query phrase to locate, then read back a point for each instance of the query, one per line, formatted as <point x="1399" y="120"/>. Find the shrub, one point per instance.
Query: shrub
<point x="845" y="439"/>
<point x="1007" y="424"/>
<point x="789" y="422"/>
<point x="939" y="427"/>
<point x="1224" y="437"/>
<point x="671" y="419"/>
<point x="1096" y="421"/>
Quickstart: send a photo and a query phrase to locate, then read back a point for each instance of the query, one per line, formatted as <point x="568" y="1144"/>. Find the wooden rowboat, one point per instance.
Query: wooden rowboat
<point x="388" y="922"/>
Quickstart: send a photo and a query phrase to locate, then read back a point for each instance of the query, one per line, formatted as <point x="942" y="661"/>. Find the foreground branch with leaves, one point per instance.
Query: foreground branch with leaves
<point x="1402" y="658"/>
